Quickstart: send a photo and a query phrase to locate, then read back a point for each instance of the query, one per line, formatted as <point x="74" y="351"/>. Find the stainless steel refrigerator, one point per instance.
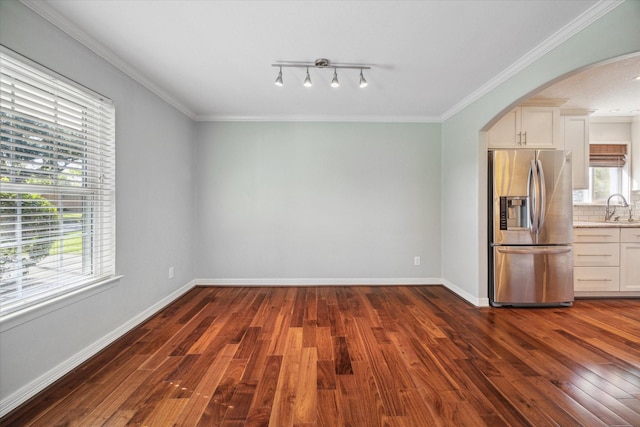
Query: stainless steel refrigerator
<point x="530" y="228"/>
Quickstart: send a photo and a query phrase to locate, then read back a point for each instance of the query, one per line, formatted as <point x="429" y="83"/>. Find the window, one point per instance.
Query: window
<point x="57" y="185"/>
<point x="608" y="174"/>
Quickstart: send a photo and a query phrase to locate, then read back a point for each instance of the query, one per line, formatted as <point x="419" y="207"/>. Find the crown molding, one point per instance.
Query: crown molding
<point x="611" y="119"/>
<point x="594" y="13"/>
<point x="68" y="27"/>
<point x="576" y="112"/>
<point x="544" y="102"/>
<point x="319" y="118"/>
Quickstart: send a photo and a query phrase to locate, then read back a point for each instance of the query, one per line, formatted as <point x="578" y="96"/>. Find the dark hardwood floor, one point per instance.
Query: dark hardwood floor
<point x="356" y="356"/>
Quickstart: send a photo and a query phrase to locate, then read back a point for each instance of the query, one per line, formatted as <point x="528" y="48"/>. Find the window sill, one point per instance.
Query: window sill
<point x="30" y="313"/>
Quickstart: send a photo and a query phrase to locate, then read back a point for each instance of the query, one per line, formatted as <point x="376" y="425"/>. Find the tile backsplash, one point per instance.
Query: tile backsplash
<point x="596" y="212"/>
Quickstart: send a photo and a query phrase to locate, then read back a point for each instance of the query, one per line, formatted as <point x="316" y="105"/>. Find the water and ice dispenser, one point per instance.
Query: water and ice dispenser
<point x="514" y="212"/>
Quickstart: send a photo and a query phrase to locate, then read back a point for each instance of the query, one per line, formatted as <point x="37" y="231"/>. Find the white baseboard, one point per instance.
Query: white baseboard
<point x="478" y="302"/>
<point x="36" y="386"/>
<point x="320" y="281"/>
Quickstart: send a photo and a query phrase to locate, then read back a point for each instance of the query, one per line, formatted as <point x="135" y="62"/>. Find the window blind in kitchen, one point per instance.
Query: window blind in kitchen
<point x="57" y="185"/>
<point x="607" y="155"/>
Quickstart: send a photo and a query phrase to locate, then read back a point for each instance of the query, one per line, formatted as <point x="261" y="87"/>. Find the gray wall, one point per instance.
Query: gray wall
<point x="317" y="200"/>
<point x="154" y="211"/>
<point x="464" y="159"/>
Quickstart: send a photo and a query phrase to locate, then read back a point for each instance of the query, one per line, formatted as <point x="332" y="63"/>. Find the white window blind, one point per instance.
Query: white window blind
<point x="57" y="185"/>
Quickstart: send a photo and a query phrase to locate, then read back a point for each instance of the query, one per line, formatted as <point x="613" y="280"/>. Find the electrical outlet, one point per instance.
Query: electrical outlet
<point x="171" y="273"/>
<point x="416" y="260"/>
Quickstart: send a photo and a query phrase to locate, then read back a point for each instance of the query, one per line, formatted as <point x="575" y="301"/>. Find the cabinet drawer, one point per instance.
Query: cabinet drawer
<point x="596" y="279"/>
<point x="596" y="235"/>
<point x="630" y="235"/>
<point x="596" y="254"/>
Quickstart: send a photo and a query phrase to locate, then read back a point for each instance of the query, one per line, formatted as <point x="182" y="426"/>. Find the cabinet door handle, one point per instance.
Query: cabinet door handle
<point x="519" y="138"/>
<point x="594" y="280"/>
<point x="596" y="235"/>
<point x="525" y="138"/>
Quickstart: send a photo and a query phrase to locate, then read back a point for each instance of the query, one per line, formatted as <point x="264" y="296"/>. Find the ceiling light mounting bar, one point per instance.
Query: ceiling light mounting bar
<point x="312" y="65"/>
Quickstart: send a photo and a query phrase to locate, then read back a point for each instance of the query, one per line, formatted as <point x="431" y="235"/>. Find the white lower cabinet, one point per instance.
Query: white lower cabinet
<point x="606" y="261"/>
<point x="630" y="260"/>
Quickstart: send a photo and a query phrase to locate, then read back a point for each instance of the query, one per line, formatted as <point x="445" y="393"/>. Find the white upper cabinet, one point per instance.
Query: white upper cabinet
<point x="528" y="127"/>
<point x="635" y="153"/>
<point x="576" y="140"/>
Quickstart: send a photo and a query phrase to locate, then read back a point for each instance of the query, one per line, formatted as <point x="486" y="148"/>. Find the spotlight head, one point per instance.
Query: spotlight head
<point x="279" y="82"/>
<point x="334" y="80"/>
<point x="307" y="80"/>
<point x="363" y="81"/>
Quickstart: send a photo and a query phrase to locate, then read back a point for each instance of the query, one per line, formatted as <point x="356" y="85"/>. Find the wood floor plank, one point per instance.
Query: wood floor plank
<point x="260" y="412"/>
<point x="110" y="404"/>
<point x="214" y="413"/>
<point x="306" y="391"/>
<point x="257" y="361"/>
<point x="370" y="399"/>
<point x="341" y="358"/>
<point x="386" y="381"/>
<point x="278" y="339"/>
<point x="311" y="305"/>
<point x="165" y="413"/>
<point x="326" y="375"/>
<point x="328" y="409"/>
<point x="353" y="410"/>
<point x="356" y="348"/>
<point x="204" y="390"/>
<point x="324" y="343"/>
<point x="406" y="356"/>
<point x="285" y="397"/>
<point x="309" y="328"/>
<point x="240" y="402"/>
<point x="248" y="342"/>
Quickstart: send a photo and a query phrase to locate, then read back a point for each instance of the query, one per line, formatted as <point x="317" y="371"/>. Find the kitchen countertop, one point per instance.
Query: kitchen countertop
<point x="608" y="224"/>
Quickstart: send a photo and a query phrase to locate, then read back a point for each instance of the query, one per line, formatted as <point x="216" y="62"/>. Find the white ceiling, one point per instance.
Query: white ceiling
<point x="212" y="59"/>
<point x="609" y="89"/>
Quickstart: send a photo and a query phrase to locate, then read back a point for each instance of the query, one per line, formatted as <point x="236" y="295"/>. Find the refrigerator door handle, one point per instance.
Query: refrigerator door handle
<point x="543" y="199"/>
<point x="533" y="199"/>
<point x="534" y="251"/>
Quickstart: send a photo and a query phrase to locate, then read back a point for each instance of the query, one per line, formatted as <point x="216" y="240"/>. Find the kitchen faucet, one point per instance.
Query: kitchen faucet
<point x="611" y="211"/>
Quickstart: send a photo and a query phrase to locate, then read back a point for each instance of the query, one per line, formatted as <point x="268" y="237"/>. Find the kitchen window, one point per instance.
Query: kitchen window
<point x="608" y="173"/>
<point x="57" y="185"/>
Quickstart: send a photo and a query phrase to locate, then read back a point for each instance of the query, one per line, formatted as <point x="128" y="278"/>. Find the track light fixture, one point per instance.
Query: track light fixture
<point x="321" y="63"/>
<point x="363" y="82"/>
<point x="307" y="80"/>
<point x="334" y="80"/>
<point x="279" y="79"/>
